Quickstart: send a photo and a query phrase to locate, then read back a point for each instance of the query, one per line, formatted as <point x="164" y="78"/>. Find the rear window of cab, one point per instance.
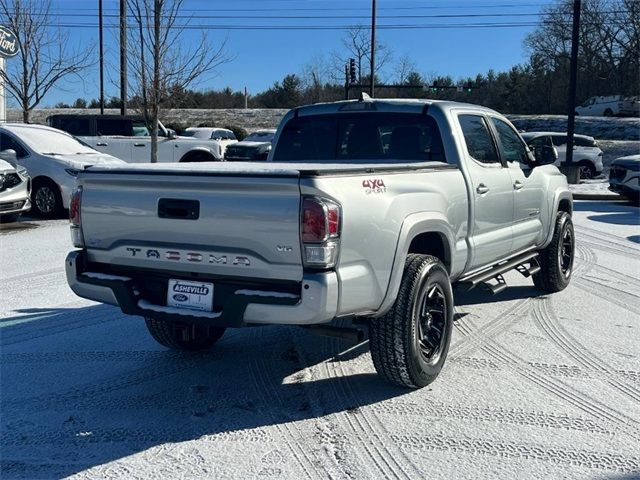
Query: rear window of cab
<point x="360" y="138"/>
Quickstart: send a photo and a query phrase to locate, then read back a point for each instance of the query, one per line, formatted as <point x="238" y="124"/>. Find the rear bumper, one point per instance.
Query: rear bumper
<point x="316" y="303"/>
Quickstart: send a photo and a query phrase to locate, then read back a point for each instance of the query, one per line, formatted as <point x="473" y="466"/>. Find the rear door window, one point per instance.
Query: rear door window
<point x="114" y="127"/>
<point x="478" y="139"/>
<point x="75" y="126"/>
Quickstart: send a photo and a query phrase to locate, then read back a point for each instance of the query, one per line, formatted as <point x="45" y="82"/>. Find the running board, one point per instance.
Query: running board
<point x="495" y="273"/>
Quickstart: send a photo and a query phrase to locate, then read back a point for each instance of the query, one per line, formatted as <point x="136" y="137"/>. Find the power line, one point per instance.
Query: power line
<point x="328" y="27"/>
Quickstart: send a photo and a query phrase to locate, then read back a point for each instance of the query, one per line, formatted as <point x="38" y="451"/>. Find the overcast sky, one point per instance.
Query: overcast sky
<point x="263" y="56"/>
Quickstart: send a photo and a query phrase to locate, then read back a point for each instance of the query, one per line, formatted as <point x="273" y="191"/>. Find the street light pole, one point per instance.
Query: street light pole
<point x="373" y="47"/>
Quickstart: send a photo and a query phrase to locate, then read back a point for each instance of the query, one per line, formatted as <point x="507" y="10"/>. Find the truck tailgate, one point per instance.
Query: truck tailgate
<point x="214" y="224"/>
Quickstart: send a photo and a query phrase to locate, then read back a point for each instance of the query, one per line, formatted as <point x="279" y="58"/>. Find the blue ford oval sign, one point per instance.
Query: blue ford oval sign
<point x="8" y="43"/>
<point x="179" y="297"/>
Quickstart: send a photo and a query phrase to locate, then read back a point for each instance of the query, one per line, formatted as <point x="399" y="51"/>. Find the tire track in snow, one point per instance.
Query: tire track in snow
<point x="367" y="426"/>
<point x="507" y="416"/>
<point x="264" y="388"/>
<point x="562" y="456"/>
<point x="557" y="388"/>
<point x="549" y="324"/>
<point x="566" y="371"/>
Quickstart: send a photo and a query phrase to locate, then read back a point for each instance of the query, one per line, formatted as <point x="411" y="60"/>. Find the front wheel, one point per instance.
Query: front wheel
<point x="46" y="200"/>
<point x="179" y="336"/>
<point x="556" y="260"/>
<point x="409" y="344"/>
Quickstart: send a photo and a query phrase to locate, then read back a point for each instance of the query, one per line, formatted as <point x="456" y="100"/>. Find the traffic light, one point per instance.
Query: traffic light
<point x="468" y="87"/>
<point x="352" y="71"/>
<point x="434" y="87"/>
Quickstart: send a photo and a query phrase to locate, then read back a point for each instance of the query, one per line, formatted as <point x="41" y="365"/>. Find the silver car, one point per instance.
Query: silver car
<point x="15" y="188"/>
<point x="586" y="152"/>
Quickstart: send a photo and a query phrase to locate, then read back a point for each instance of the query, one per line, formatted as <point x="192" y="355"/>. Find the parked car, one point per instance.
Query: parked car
<point x="128" y="138"/>
<point x="15" y="188"/>
<point x="614" y="105"/>
<point x="221" y="135"/>
<point x="586" y="152"/>
<point x="256" y="146"/>
<point x="341" y="221"/>
<point x="53" y="159"/>
<point x="624" y="177"/>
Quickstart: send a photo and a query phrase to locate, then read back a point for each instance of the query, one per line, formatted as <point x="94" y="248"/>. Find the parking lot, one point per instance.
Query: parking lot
<point x="534" y="386"/>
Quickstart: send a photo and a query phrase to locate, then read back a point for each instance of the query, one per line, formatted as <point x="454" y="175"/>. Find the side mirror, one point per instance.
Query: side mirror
<point x="545" y="155"/>
<point x="171" y="133"/>
<point x="10" y="156"/>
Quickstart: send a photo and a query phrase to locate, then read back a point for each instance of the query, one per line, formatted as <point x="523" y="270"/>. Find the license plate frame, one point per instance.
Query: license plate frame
<point x="190" y="295"/>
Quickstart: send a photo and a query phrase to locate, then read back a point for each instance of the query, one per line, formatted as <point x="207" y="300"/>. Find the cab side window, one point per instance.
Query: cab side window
<point x="114" y="126"/>
<point x="478" y="139"/>
<point x="9" y="143"/>
<point x="559" y="140"/>
<point x="513" y="148"/>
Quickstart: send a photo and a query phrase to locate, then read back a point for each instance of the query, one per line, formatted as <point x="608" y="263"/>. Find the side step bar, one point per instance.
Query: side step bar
<point x="495" y="272"/>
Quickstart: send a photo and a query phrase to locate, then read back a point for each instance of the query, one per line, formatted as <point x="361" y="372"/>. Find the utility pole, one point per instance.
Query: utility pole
<point x="571" y="170"/>
<point x="246" y="99"/>
<point x="123" y="57"/>
<point x="101" y="58"/>
<point x="373" y="47"/>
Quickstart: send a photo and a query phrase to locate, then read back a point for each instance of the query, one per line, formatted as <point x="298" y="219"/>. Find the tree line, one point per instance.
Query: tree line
<point x="609" y="64"/>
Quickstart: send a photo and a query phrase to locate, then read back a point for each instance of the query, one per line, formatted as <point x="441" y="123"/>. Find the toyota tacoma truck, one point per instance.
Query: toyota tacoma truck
<point x="365" y="209"/>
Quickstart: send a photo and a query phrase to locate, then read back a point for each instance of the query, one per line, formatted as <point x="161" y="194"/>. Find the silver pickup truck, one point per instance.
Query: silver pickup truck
<point x="365" y="209"/>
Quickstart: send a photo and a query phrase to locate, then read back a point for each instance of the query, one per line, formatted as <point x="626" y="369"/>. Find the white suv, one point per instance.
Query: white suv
<point x="221" y="135"/>
<point x="127" y="138"/>
<point x="586" y="153"/>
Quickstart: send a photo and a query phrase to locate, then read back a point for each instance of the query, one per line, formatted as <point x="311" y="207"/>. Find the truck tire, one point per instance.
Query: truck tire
<point x="409" y="344"/>
<point x="608" y="112"/>
<point x="181" y="336"/>
<point x="556" y="260"/>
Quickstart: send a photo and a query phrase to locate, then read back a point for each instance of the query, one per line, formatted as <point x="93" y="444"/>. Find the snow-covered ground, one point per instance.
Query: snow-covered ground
<point x="534" y="386"/>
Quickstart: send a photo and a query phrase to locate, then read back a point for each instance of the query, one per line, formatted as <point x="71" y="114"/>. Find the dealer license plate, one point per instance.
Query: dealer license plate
<point x="190" y="295"/>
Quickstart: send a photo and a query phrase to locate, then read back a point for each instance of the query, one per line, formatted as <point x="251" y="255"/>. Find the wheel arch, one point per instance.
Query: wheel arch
<point x="197" y="151"/>
<point x="426" y="233"/>
<point x="562" y="202"/>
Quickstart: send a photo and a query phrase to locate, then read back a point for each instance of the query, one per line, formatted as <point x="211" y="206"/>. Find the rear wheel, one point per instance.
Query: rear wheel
<point x="198" y="157"/>
<point x="410" y="343"/>
<point x="182" y="336"/>
<point x="587" y="170"/>
<point x="608" y="112"/>
<point x="556" y="260"/>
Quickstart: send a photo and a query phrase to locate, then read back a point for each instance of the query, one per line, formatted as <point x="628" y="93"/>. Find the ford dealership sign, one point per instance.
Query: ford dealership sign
<point x="8" y="43"/>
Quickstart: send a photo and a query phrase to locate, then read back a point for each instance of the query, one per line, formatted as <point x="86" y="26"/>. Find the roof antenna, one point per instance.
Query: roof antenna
<point x="364" y="97"/>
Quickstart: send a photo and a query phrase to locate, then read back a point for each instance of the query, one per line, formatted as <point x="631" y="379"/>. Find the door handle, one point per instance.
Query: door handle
<point x="102" y="144"/>
<point x="138" y="144"/>
<point x="518" y="185"/>
<point x="482" y="189"/>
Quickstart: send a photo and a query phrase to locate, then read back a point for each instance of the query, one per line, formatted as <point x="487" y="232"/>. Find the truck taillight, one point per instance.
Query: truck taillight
<point x="320" y="232"/>
<point x="75" y="218"/>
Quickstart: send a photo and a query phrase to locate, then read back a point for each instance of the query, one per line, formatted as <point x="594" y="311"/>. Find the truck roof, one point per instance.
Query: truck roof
<point x="407" y="105"/>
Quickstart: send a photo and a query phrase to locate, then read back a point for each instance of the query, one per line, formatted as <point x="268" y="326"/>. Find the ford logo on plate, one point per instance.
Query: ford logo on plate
<point x="179" y="297"/>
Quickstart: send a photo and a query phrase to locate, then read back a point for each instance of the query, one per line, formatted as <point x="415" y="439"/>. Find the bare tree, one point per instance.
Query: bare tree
<point x="404" y="67"/>
<point x="357" y="45"/>
<point x="161" y="63"/>
<point x="44" y="57"/>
